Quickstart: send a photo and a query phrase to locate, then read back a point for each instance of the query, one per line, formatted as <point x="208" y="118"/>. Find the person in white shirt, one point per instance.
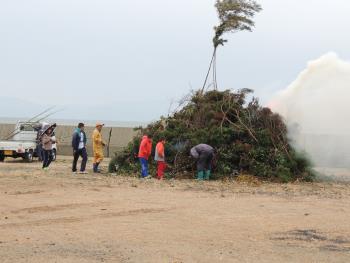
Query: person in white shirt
<point x="79" y="148"/>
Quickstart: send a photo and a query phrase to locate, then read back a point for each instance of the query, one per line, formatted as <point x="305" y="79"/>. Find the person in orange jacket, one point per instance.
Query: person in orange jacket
<point x="159" y="157"/>
<point x="144" y="153"/>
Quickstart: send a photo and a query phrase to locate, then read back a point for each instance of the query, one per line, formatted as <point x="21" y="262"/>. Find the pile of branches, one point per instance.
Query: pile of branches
<point x="248" y="139"/>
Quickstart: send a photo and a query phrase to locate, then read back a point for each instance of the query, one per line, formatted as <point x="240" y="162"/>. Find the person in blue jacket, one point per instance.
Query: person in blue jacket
<point x="79" y="148"/>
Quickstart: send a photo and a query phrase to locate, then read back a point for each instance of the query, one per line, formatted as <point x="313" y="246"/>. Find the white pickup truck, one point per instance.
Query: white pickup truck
<point x="23" y="142"/>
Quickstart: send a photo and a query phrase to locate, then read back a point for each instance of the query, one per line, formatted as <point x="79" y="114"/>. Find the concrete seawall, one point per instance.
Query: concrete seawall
<point x="120" y="137"/>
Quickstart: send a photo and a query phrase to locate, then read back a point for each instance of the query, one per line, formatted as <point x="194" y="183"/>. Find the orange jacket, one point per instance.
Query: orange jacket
<point x="160" y="149"/>
<point x="145" y="148"/>
<point x="160" y="152"/>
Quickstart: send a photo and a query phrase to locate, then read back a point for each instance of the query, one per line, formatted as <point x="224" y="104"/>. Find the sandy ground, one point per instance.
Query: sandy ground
<point x="56" y="216"/>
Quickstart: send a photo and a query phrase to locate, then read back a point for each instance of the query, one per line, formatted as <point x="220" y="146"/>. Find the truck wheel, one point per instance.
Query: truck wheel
<point x="54" y="155"/>
<point x="28" y="157"/>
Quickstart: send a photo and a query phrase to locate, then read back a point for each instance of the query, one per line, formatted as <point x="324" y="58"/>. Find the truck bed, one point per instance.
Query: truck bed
<point x="17" y="146"/>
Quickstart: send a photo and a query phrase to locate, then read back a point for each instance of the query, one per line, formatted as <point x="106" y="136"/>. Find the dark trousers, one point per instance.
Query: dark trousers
<point x="47" y="154"/>
<point x="204" y="161"/>
<point x="40" y="152"/>
<point x="76" y="154"/>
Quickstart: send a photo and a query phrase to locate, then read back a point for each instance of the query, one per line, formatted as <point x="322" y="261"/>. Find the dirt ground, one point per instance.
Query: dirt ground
<point x="56" y="216"/>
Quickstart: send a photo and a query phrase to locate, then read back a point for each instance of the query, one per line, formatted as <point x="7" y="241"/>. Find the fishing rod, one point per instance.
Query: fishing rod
<point x="29" y="121"/>
<point x="54" y="125"/>
<point x="31" y="124"/>
<point x="40" y="114"/>
<point x="48" y="115"/>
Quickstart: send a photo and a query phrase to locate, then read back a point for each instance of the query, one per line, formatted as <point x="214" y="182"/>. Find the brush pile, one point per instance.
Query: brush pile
<point x="248" y="139"/>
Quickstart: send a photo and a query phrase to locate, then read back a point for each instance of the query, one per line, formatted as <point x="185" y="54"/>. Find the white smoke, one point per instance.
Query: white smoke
<point x="316" y="108"/>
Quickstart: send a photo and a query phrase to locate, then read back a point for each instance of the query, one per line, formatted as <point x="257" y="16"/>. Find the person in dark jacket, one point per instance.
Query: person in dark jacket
<point x="204" y="155"/>
<point x="79" y="148"/>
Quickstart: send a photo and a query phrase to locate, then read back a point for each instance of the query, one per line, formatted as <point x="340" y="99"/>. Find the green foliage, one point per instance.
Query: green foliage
<point x="284" y="174"/>
<point x="234" y="15"/>
<point x="247" y="137"/>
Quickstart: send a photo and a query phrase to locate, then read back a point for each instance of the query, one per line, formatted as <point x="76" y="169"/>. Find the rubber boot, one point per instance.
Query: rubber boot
<point x="207" y="175"/>
<point x="95" y="168"/>
<point x="200" y="175"/>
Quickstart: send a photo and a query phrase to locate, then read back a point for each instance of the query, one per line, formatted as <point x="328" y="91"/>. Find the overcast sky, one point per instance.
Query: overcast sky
<point x="127" y="60"/>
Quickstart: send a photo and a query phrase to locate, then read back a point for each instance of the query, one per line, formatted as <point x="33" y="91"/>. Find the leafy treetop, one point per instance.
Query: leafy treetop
<point x="234" y="15"/>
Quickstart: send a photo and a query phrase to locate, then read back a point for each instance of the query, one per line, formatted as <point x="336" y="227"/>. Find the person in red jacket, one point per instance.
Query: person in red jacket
<point x="144" y="153"/>
<point x="159" y="157"/>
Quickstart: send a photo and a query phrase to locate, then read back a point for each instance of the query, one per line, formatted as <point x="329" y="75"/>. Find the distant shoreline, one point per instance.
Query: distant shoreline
<point x="123" y="124"/>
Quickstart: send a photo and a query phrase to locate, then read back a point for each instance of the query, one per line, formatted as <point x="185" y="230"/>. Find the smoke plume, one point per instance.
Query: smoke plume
<point x="316" y="108"/>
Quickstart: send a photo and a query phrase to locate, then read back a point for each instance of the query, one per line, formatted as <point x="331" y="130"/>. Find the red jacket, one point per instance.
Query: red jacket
<point x="145" y="148"/>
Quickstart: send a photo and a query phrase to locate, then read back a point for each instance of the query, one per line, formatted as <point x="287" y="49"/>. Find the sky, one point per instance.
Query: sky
<point x="130" y="60"/>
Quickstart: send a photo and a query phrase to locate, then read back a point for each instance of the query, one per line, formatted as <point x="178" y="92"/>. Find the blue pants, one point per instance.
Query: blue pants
<point x="144" y="167"/>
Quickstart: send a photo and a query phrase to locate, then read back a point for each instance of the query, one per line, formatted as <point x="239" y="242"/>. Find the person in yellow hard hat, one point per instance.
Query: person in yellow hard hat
<point x="97" y="144"/>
